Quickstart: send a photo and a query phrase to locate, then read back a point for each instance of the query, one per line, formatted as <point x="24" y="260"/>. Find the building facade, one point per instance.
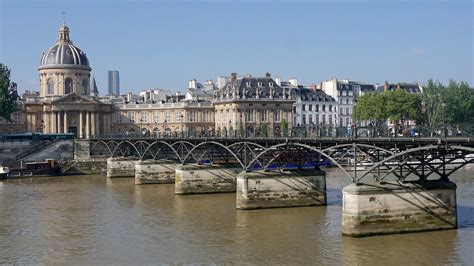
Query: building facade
<point x="252" y="106"/>
<point x="313" y="108"/>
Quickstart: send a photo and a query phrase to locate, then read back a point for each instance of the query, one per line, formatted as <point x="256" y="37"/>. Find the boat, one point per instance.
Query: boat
<point x="4" y="172"/>
<point x="47" y="167"/>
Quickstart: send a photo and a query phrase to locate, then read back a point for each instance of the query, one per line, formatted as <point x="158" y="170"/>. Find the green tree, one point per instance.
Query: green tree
<point x="264" y="130"/>
<point x="449" y="104"/>
<point x="284" y="127"/>
<point x="241" y="130"/>
<point x="402" y="106"/>
<point x="8" y="97"/>
<point x="371" y="107"/>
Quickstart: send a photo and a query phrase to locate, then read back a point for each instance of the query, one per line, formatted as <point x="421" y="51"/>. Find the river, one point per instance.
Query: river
<point x="95" y="220"/>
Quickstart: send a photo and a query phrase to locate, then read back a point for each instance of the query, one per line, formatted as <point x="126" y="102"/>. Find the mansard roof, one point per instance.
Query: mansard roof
<point x="306" y="94"/>
<point x="252" y="88"/>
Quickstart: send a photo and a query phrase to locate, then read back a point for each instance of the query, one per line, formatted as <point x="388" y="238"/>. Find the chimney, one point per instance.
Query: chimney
<point x="385" y="86"/>
<point x="268" y="75"/>
<point x="233" y="76"/>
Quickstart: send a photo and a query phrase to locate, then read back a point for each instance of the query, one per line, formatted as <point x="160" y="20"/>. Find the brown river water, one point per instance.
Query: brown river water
<point x="95" y="220"/>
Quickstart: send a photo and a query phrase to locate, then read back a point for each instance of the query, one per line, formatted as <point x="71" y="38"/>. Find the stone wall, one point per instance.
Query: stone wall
<point x="303" y="187"/>
<point x="121" y="167"/>
<point x="85" y="167"/>
<point x="82" y="149"/>
<point x="196" y="179"/>
<point x="398" y="208"/>
<point x="155" y="172"/>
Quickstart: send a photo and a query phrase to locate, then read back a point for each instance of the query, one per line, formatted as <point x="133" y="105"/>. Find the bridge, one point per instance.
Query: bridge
<point x="397" y="184"/>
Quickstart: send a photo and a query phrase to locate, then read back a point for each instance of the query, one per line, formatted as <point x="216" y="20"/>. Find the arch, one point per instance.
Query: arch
<point x="161" y="142"/>
<point x="103" y="142"/>
<point x="246" y="142"/>
<point x="429" y="147"/>
<point x="218" y="144"/>
<point x="360" y="144"/>
<point x="126" y="142"/>
<point x="274" y="147"/>
<point x="68" y="86"/>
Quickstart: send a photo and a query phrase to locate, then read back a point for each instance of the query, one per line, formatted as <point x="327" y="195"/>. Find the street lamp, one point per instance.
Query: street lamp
<point x="164" y="127"/>
<point x="42" y="126"/>
<point x="444" y="119"/>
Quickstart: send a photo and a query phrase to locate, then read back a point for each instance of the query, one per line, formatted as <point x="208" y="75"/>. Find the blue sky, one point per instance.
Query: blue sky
<point x="166" y="43"/>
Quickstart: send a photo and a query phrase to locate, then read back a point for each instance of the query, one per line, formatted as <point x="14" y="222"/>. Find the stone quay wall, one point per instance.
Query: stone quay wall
<point x="121" y="167"/>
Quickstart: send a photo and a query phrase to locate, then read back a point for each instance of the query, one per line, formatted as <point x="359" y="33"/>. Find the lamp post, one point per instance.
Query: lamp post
<point x="42" y="126"/>
<point x="444" y="119"/>
<point x="164" y="128"/>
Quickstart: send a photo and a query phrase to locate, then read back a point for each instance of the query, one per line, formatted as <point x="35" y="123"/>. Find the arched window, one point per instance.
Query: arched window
<point x="50" y="90"/>
<point x="85" y="87"/>
<point x="68" y="86"/>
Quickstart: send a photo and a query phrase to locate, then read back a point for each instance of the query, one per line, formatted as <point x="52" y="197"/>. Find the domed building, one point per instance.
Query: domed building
<point x="67" y="102"/>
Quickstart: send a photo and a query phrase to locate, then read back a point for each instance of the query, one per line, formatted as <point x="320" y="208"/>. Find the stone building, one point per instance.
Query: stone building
<point x="345" y="93"/>
<point x="254" y="106"/>
<point x="192" y="117"/>
<point x="65" y="104"/>
<point x="313" y="108"/>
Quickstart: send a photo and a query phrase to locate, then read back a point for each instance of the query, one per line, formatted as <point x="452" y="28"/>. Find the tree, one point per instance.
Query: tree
<point x="8" y="97"/>
<point x="264" y="130"/>
<point x="447" y="104"/>
<point x="284" y="127"/>
<point x="371" y="107"/>
<point x="241" y="130"/>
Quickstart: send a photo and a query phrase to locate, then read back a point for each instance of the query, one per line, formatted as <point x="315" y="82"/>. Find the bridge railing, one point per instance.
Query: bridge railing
<point x="367" y="132"/>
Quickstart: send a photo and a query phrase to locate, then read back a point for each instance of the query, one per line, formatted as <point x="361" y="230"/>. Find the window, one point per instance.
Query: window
<point x="347" y="100"/>
<point x="348" y="122"/>
<point x="143" y="117"/>
<point x="303" y="119"/>
<point x="17" y="118"/>
<point x="324" y="119"/>
<point x="341" y="122"/>
<point x="277" y="115"/>
<point x="179" y="117"/>
<point x="310" y="107"/>
<point x="50" y="87"/>
<point x="249" y="115"/>
<point x="317" y="119"/>
<point x="155" y="117"/>
<point x="131" y="117"/>
<point x="330" y="119"/>
<point x="341" y="111"/>
<point x="347" y="111"/>
<point x="317" y="107"/>
<point x="118" y="117"/>
<point x="330" y="108"/>
<point x="310" y="121"/>
<point x="324" y="107"/>
<point x="68" y="86"/>
<point x="303" y="107"/>
<point x="263" y="115"/>
<point x="167" y="117"/>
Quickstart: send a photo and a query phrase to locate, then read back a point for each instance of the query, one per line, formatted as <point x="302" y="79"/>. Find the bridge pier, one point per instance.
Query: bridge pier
<point x="155" y="172"/>
<point x="289" y="188"/>
<point x="398" y="208"/>
<point x="199" y="179"/>
<point x="121" y="167"/>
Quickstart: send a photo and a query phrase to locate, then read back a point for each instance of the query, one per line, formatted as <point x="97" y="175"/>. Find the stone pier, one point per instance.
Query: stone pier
<point x="275" y="189"/>
<point x="121" y="167"/>
<point x="393" y="208"/>
<point x="198" y="179"/>
<point x="155" y="172"/>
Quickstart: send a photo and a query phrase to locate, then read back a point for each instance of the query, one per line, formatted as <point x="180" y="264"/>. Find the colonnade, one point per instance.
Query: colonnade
<point x="87" y="123"/>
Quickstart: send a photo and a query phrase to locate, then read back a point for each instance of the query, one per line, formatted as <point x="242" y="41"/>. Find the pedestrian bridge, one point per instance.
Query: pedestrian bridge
<point x="359" y="158"/>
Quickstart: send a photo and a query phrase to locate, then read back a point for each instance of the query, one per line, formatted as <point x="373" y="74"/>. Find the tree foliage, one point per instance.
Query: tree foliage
<point x="284" y="127"/>
<point x="263" y="130"/>
<point x="8" y="97"/>
<point x="398" y="106"/>
<point x="451" y="104"/>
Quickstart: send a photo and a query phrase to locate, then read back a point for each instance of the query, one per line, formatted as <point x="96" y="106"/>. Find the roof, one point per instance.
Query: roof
<point x="251" y="88"/>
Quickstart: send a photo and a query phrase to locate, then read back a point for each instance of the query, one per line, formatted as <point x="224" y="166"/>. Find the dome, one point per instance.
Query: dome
<point x="64" y="52"/>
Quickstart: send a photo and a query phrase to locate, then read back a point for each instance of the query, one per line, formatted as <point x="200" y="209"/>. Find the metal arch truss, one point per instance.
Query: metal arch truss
<point x="360" y="162"/>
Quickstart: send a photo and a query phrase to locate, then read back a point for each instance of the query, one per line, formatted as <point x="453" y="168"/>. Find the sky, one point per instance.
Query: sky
<point x="163" y="44"/>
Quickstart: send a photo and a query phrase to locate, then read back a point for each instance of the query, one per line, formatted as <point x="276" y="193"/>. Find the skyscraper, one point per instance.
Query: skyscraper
<point x="114" y="83"/>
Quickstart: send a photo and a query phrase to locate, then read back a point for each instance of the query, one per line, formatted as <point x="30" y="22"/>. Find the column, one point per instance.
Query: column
<point x="104" y="123"/>
<point x="28" y="122"/>
<point x="65" y="122"/>
<point x="46" y="124"/>
<point x="33" y="122"/>
<point x="81" y="135"/>
<point x="60" y="122"/>
<point x="53" y="121"/>
<point x="92" y="121"/>
<point x="88" y="124"/>
<point x="97" y="123"/>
